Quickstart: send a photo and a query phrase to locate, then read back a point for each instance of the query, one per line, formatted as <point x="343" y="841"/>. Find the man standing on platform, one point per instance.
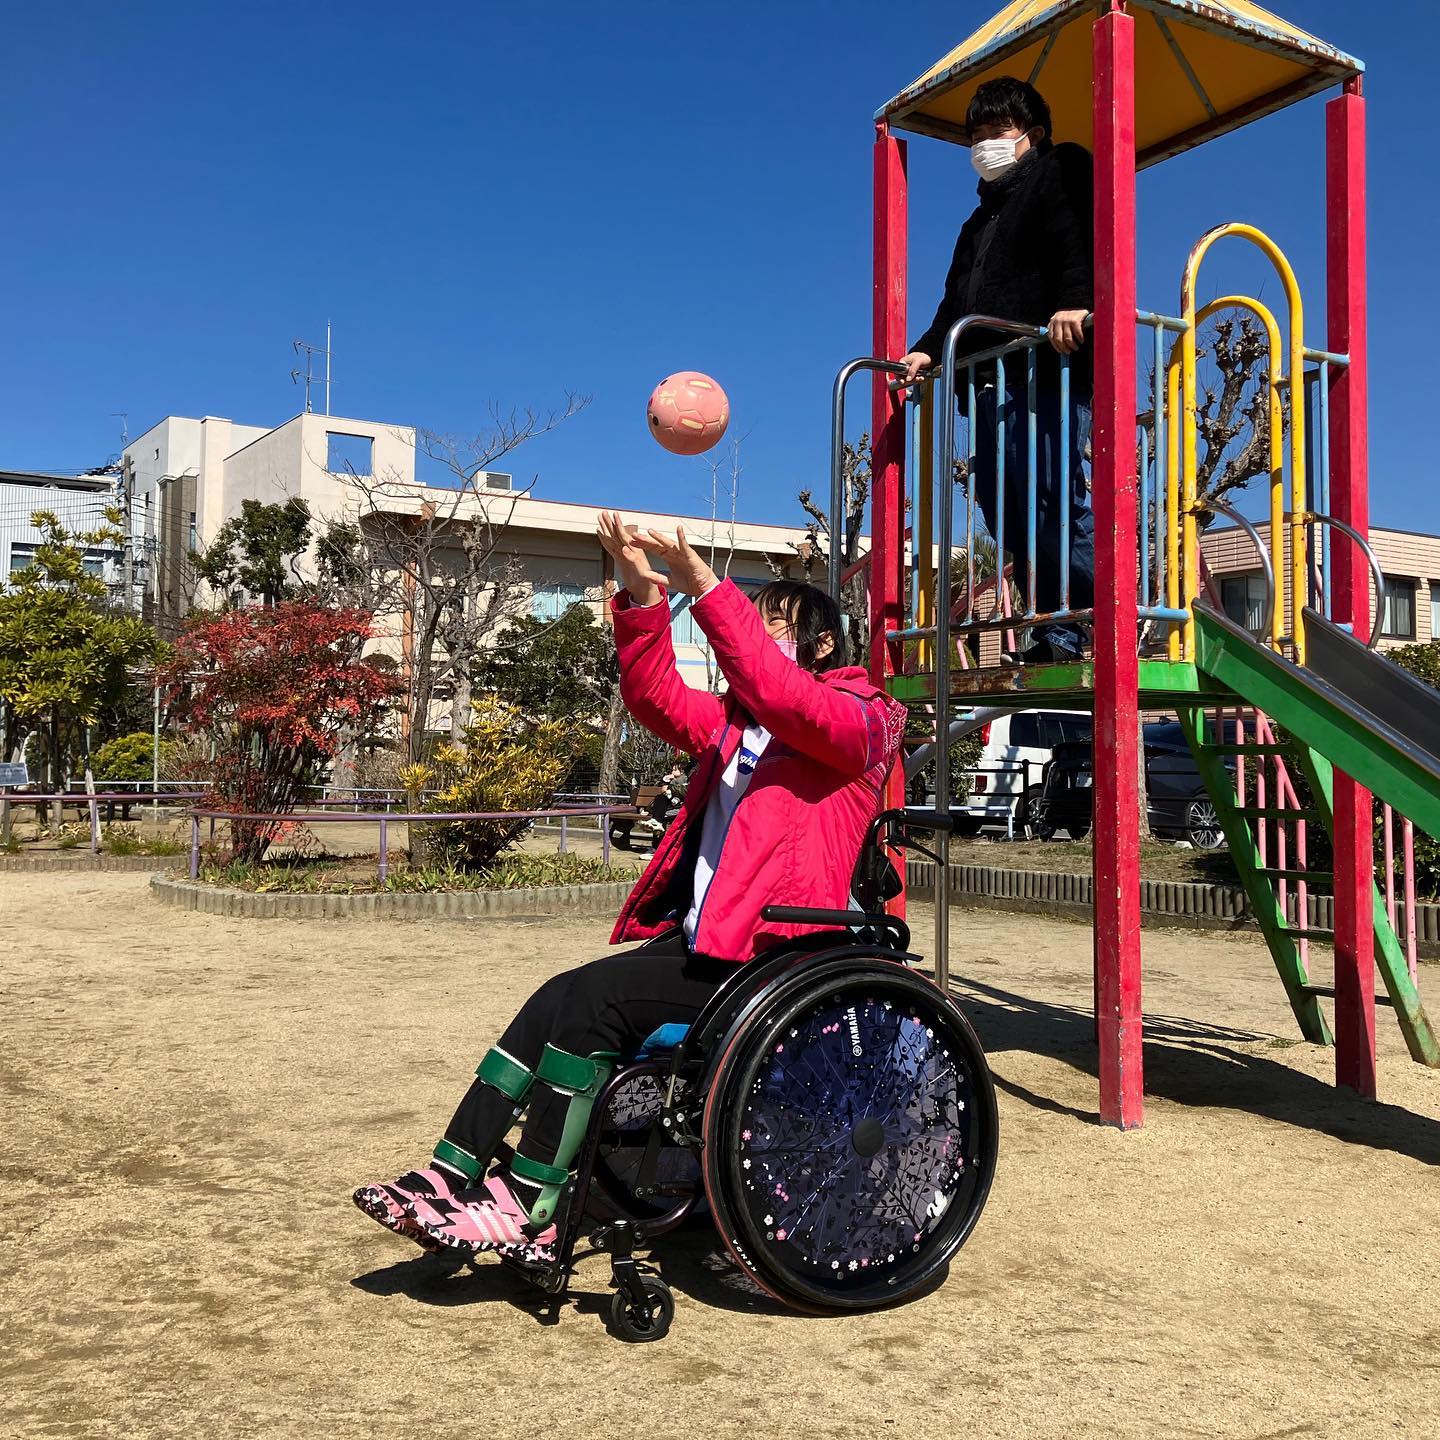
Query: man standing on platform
<point x="1026" y="254"/>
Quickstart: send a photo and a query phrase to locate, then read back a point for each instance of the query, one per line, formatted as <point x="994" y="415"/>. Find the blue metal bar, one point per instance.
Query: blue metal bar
<point x="1162" y="462"/>
<point x="1166" y="322"/>
<point x="913" y="462"/>
<point x="970" y="483"/>
<point x="1030" y="481"/>
<point x="1142" y="469"/>
<point x="1067" y="490"/>
<point x="999" y="476"/>
<point x="1327" y="357"/>
<point x="1324" y="487"/>
<point x="1162" y="612"/>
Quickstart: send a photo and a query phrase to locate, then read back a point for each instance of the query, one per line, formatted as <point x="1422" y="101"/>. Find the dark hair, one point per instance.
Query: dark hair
<point x="812" y="614"/>
<point x="1008" y="99"/>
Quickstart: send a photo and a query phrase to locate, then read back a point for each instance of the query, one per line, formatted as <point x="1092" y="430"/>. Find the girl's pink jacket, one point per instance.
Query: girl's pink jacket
<point x="797" y="831"/>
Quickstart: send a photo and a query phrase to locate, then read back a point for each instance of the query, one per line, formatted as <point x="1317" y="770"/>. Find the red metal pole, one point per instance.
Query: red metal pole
<point x="887" y="425"/>
<point x="887" y="428"/>
<point x="1350" y="500"/>
<point x="1117" y="719"/>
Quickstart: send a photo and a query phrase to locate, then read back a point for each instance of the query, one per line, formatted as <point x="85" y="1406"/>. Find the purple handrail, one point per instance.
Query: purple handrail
<point x="383" y="819"/>
<point x="124" y="797"/>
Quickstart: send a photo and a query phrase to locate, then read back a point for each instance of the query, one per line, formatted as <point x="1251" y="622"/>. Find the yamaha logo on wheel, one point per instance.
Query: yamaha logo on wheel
<point x="855" y="1046"/>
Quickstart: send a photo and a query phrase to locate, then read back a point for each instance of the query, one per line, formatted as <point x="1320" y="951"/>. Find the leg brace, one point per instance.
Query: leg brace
<point x="514" y="1081"/>
<point x="581" y="1078"/>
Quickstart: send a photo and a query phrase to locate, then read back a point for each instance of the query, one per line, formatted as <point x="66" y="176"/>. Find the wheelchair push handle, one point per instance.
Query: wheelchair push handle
<point x="897" y="822"/>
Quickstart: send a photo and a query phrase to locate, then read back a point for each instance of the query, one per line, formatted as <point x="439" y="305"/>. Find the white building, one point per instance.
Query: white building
<point x="79" y="501"/>
<point x="189" y="476"/>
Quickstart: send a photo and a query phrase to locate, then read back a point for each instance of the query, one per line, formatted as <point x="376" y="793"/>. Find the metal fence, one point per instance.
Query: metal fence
<point x="384" y="819"/>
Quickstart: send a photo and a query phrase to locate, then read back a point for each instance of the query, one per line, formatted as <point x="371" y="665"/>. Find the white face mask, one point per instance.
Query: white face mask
<point x="787" y="647"/>
<point x="992" y="158"/>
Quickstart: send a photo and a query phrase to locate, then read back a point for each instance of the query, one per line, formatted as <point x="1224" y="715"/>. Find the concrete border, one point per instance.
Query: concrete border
<point x="569" y="900"/>
<point x="84" y="860"/>
<point x="1173" y="904"/>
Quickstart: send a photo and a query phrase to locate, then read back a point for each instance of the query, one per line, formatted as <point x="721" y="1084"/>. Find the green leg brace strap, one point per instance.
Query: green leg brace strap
<point x="501" y="1072"/>
<point x="506" y="1074"/>
<point x="581" y="1078"/>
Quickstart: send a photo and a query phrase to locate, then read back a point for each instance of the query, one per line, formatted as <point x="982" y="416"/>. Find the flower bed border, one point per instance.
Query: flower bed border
<point x="81" y="859"/>
<point x="568" y="900"/>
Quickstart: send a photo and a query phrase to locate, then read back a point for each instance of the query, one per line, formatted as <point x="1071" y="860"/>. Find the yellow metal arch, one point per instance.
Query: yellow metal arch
<point x="1189" y="541"/>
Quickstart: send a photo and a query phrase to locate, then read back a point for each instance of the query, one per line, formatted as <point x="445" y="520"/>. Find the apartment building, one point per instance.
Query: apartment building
<point x="188" y="476"/>
<point x="1410" y="561"/>
<point x="78" y="501"/>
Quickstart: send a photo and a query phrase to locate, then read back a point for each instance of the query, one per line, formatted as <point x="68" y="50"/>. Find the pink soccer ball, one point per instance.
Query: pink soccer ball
<point x="688" y="412"/>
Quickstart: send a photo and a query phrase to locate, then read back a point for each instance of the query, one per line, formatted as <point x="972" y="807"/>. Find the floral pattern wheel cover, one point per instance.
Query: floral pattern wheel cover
<point x="856" y="1139"/>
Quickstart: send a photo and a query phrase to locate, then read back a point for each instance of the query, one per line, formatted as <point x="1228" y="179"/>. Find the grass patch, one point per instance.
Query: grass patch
<point x="126" y="839"/>
<point x="1158" y="861"/>
<point x="356" y="875"/>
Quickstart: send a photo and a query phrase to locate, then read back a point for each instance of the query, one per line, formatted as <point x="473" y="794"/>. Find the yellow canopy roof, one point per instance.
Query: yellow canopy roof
<point x="1202" y="67"/>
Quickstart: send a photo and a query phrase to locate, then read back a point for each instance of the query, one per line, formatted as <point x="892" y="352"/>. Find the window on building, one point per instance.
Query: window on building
<point x="349" y="454"/>
<point x="1399" y="623"/>
<point x="550" y="602"/>
<point x="193" y="545"/>
<point x="20" y="557"/>
<point x="1435" y="609"/>
<point x="1243" y="599"/>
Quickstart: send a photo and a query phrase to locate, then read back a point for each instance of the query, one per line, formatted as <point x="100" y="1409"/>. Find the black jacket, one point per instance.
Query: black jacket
<point x="1025" y="253"/>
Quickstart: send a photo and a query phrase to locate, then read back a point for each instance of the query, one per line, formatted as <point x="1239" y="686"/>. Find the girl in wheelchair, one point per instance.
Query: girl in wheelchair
<point x="791" y="767"/>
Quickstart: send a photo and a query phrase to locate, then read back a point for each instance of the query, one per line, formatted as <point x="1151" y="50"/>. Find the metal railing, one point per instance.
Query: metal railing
<point x="384" y="819"/>
<point x="81" y="801"/>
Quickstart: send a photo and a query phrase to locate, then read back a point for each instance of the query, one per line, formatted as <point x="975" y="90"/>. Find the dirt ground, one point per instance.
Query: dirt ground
<point x="189" y="1101"/>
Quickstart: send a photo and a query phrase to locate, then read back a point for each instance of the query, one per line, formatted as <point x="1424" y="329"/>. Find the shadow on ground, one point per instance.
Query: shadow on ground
<point x="1193" y="1063"/>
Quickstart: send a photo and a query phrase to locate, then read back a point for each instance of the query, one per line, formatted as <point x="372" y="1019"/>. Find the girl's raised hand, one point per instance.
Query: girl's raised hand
<point x="632" y="564"/>
<point x="688" y="572"/>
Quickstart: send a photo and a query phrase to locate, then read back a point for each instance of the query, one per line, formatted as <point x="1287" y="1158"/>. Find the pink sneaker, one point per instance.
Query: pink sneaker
<point x="488" y="1217"/>
<point x="392" y="1204"/>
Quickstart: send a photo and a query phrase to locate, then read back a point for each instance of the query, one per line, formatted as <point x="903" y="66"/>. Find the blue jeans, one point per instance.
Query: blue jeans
<point x="1055" y="476"/>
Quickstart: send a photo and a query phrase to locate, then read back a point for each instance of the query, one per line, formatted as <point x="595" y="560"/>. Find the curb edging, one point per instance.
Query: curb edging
<point x="64" y="860"/>
<point x="568" y="900"/>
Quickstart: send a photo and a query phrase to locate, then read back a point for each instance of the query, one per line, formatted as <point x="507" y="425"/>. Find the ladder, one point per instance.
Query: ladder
<point x="1285" y="934"/>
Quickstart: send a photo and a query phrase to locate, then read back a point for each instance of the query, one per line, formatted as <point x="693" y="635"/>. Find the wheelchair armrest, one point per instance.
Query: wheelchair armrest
<point x="804" y="915"/>
<point x="841" y="919"/>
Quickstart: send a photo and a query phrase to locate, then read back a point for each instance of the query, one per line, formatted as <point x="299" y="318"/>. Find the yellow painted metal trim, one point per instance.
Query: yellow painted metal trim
<point x="1188" y="401"/>
<point x="1277" y="448"/>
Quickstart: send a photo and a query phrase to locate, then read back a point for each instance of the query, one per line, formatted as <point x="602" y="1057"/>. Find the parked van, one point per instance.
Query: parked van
<point x="1011" y="769"/>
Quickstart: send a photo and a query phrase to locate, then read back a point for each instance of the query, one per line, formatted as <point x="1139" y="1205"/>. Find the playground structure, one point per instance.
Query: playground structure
<point x="1140" y="81"/>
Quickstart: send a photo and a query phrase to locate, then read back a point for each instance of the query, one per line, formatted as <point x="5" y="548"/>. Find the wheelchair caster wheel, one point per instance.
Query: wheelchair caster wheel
<point x="638" y="1323"/>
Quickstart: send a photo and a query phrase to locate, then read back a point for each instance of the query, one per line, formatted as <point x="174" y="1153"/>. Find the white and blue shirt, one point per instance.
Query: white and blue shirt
<point x="718" y="815"/>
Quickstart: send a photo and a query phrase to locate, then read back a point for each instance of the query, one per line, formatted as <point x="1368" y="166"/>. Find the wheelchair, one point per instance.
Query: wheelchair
<point x="831" y="1109"/>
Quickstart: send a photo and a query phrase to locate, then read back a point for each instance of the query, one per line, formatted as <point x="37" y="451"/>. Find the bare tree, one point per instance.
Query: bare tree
<point x="724" y="482"/>
<point x="1232" y="419"/>
<point x="455" y="583"/>
<point x="817" y="552"/>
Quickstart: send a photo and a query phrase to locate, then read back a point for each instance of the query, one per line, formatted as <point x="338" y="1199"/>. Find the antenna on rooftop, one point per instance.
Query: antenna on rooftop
<point x="303" y="347"/>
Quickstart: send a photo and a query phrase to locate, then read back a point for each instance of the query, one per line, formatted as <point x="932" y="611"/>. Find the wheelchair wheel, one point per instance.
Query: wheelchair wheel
<point x="632" y="1113"/>
<point x="850" y="1137"/>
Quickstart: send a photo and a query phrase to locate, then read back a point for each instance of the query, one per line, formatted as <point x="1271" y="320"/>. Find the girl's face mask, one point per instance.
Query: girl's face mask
<point x="787" y="646"/>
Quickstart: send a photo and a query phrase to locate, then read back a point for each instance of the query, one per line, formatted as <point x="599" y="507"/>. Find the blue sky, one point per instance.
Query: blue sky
<point x="497" y="204"/>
